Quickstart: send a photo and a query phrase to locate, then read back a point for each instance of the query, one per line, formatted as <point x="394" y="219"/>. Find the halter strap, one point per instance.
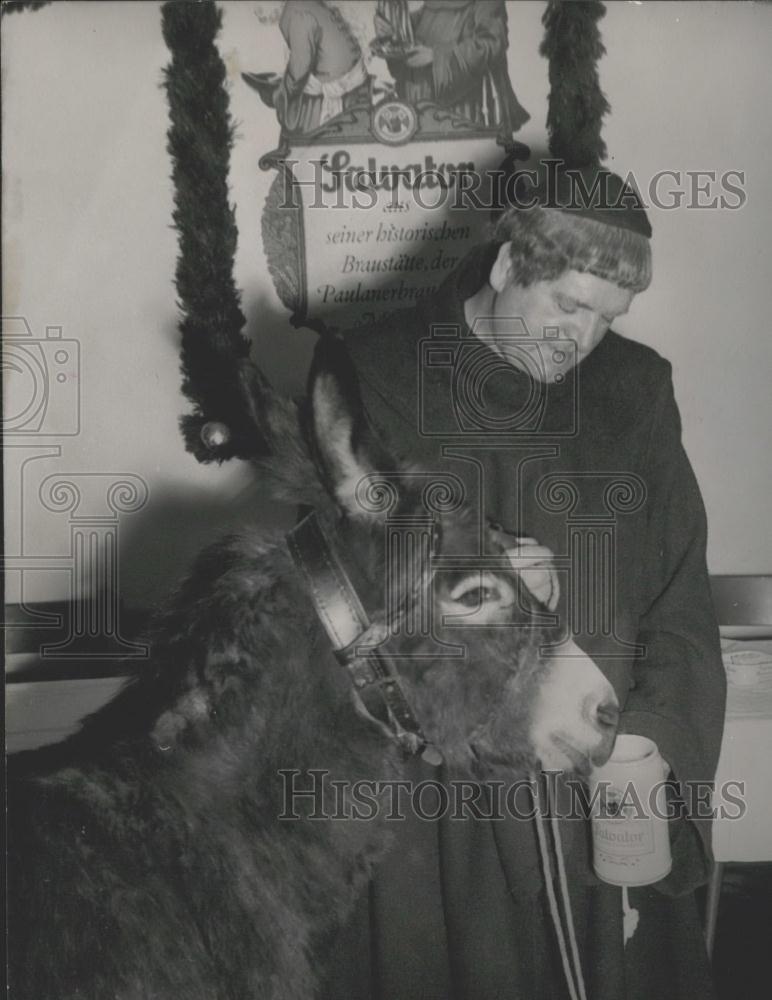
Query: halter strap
<point x="355" y="639"/>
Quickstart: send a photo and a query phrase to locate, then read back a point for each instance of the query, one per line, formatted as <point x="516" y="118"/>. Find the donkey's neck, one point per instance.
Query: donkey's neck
<point x="262" y="693"/>
<point x="273" y="739"/>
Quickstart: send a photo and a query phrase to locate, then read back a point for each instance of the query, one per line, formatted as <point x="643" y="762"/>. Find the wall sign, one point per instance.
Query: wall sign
<point x="383" y="185"/>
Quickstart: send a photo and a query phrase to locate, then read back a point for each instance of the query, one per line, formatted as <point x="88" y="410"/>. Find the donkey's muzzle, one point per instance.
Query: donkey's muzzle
<point x="607" y="714"/>
<point x="604" y="718"/>
<point x="576" y="713"/>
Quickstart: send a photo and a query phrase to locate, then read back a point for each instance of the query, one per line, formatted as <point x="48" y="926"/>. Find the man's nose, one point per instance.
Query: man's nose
<point x="588" y="331"/>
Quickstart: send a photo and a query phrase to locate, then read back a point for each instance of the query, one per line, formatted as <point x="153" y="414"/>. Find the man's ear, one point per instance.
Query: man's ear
<point x="501" y="272"/>
<point x="336" y="423"/>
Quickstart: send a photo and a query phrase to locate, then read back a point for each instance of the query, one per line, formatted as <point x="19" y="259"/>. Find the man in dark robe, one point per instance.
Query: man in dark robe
<point x="460" y="62"/>
<point x="562" y="430"/>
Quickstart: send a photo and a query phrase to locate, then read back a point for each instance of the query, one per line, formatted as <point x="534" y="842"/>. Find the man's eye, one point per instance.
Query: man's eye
<point x="566" y="305"/>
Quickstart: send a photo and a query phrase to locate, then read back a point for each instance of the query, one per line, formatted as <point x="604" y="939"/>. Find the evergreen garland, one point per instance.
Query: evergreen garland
<point x="572" y="44"/>
<point x="16" y="6"/>
<point x="215" y="353"/>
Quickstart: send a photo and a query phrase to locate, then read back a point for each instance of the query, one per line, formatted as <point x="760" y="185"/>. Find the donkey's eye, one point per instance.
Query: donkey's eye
<point x="478" y="599"/>
<point x="475" y="591"/>
<point x="476" y="596"/>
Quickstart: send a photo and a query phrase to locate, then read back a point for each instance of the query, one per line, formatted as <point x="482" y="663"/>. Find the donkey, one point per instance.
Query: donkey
<point x="150" y="855"/>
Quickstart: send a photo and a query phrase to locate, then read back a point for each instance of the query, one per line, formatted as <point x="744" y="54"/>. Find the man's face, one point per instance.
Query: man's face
<point x="580" y="305"/>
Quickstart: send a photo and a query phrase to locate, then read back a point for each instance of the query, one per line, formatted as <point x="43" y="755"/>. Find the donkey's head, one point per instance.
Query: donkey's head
<point x="470" y="642"/>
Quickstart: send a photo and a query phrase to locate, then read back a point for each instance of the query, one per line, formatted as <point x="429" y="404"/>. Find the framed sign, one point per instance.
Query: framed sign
<point x="383" y="181"/>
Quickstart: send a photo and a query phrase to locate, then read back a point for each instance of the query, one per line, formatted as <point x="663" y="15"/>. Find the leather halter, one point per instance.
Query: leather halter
<point x="354" y="638"/>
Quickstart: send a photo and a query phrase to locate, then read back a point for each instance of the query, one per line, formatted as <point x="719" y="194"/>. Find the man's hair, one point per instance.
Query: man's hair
<point x="547" y="242"/>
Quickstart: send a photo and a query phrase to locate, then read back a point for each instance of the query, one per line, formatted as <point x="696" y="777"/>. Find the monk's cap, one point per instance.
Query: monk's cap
<point x="585" y="192"/>
<point x="585" y="219"/>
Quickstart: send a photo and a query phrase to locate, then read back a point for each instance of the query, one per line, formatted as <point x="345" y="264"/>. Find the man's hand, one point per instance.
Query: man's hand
<point x="419" y="56"/>
<point x="533" y="563"/>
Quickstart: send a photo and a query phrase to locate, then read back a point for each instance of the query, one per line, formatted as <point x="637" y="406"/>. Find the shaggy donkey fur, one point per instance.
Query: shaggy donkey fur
<point x="147" y="859"/>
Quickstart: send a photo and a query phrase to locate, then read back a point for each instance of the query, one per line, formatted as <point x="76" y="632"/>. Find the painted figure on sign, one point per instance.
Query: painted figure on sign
<point x="325" y="72"/>
<point x="458" y="59"/>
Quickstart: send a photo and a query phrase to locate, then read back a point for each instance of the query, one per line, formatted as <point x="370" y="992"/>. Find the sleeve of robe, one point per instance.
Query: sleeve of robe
<point x="458" y="66"/>
<point x="679" y="686"/>
<point x="302" y="34"/>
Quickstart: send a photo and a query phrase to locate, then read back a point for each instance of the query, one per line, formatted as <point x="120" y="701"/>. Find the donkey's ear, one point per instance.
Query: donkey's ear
<point x="339" y="438"/>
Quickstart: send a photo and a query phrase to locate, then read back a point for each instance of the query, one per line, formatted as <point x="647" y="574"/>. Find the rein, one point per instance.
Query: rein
<point x="566" y="936"/>
<point x="355" y="639"/>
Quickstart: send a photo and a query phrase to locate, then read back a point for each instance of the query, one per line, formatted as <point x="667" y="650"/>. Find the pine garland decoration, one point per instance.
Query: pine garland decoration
<point x="17" y="6"/>
<point x="215" y="352"/>
<point x="572" y="44"/>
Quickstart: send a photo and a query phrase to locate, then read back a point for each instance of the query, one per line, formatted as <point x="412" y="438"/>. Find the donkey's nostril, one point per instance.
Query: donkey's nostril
<point x="607" y="713"/>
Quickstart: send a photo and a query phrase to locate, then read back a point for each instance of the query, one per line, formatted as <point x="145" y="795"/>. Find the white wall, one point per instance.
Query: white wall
<point x="690" y="85"/>
<point x="88" y="247"/>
